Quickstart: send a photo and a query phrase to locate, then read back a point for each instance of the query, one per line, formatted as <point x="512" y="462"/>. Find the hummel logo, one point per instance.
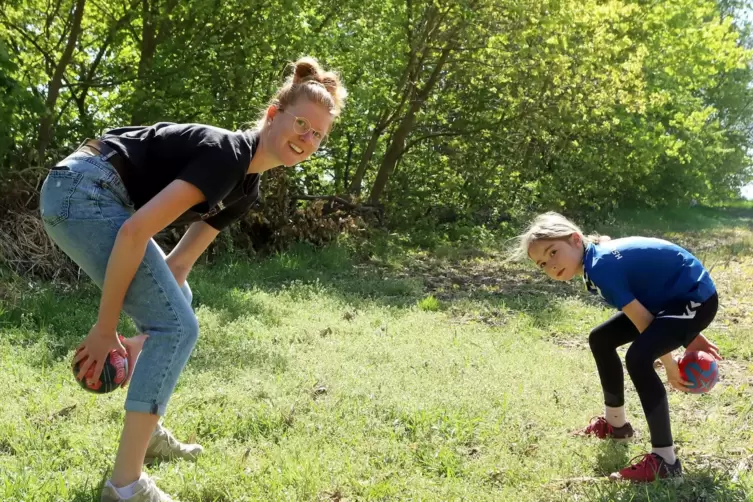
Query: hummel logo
<point x="688" y="314"/>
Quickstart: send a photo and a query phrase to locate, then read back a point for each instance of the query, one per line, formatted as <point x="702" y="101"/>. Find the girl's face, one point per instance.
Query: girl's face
<point x="561" y="259"/>
<point x="295" y="133"/>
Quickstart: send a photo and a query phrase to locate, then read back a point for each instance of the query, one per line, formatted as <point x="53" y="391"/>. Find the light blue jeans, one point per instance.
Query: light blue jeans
<point x="83" y="206"/>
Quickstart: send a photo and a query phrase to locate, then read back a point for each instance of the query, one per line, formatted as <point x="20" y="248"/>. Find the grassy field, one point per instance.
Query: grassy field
<point x="386" y="374"/>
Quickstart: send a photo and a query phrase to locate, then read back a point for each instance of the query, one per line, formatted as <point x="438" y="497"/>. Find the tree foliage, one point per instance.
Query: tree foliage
<point x="462" y="110"/>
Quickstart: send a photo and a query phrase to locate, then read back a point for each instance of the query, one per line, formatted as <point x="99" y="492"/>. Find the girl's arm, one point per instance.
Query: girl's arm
<point x="642" y="318"/>
<point x="126" y="256"/>
<point x="638" y="315"/>
<point x="195" y="241"/>
<point x="700" y="342"/>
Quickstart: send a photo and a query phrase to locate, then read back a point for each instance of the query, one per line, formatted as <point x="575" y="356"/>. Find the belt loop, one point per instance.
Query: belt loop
<point x="105" y="150"/>
<point x="106" y="156"/>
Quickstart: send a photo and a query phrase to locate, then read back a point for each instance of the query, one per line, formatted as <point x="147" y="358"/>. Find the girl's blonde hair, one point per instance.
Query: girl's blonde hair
<point x="549" y="226"/>
<point x="308" y="79"/>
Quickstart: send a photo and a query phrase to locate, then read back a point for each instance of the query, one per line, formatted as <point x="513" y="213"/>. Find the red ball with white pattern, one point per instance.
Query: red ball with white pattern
<point x="112" y="377"/>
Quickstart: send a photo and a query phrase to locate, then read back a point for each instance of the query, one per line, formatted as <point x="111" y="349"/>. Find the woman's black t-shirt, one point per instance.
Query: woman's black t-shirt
<point x="212" y="159"/>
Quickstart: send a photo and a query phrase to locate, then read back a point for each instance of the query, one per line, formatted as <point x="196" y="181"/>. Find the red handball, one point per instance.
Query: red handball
<point x="700" y="370"/>
<point x="113" y="374"/>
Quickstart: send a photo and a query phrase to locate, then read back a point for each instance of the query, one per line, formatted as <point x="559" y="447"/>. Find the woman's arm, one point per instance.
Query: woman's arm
<point x="195" y="241"/>
<point x="126" y="256"/>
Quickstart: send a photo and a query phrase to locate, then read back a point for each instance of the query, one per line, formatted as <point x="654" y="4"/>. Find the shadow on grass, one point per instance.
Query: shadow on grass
<point x="88" y="492"/>
<point x="487" y="284"/>
<point x="714" y="235"/>
<point x="60" y="316"/>
<point x="701" y="482"/>
<point x="696" y="219"/>
<point x="694" y="487"/>
<point x="612" y="456"/>
<point x="57" y="316"/>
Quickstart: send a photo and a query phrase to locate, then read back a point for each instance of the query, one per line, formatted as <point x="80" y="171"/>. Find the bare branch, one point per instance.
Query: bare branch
<point x="29" y="39"/>
<point x="360" y="208"/>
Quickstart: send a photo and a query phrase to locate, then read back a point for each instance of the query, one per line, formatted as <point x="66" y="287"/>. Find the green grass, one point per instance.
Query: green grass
<point x="384" y="374"/>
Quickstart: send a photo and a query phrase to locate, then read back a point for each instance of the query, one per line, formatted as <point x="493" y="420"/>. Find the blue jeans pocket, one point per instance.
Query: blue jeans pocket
<point x="56" y="193"/>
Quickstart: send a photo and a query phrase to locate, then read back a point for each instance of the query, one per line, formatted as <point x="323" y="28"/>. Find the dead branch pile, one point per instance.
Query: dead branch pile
<point x="27" y="250"/>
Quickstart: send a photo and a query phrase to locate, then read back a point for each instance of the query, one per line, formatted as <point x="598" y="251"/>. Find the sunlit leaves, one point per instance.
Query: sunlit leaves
<point x="571" y="104"/>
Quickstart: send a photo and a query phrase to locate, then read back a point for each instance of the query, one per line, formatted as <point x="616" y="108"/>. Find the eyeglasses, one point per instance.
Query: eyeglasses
<point x="301" y="125"/>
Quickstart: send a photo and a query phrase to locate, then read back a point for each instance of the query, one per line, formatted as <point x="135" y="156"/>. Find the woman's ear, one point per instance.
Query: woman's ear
<point x="576" y="239"/>
<point x="271" y="112"/>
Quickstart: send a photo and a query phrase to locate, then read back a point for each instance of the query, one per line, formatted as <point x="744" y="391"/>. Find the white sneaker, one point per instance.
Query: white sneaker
<point x="163" y="446"/>
<point x="144" y="491"/>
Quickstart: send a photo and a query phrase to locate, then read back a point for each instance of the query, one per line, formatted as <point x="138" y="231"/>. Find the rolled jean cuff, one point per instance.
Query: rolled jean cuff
<point x="142" y="407"/>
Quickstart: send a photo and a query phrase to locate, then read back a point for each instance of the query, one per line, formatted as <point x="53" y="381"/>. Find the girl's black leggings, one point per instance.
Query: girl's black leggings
<point x="675" y="326"/>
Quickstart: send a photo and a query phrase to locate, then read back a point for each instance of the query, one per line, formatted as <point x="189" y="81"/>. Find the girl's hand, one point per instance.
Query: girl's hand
<point x="133" y="346"/>
<point x="94" y="349"/>
<point x="673" y="375"/>
<point x="700" y="342"/>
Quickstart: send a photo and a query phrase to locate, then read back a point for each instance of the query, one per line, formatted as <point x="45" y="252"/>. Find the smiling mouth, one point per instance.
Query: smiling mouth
<point x="295" y="148"/>
<point x="561" y="272"/>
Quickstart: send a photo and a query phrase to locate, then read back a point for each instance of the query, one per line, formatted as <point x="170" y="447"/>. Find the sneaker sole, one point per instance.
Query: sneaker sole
<point x="626" y="439"/>
<point x="608" y="438"/>
<point x="675" y="480"/>
<point x="672" y="480"/>
<point x="151" y="460"/>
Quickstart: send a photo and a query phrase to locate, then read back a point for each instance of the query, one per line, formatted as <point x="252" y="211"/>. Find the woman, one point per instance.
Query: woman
<point x="103" y="204"/>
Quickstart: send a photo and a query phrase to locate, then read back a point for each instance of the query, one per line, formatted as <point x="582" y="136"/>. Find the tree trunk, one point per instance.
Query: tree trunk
<point x="89" y="74"/>
<point x="348" y="160"/>
<point x="357" y="181"/>
<point x="410" y="73"/>
<point x="150" y="12"/>
<point x="397" y="143"/>
<point x="53" y="87"/>
<point x="156" y="26"/>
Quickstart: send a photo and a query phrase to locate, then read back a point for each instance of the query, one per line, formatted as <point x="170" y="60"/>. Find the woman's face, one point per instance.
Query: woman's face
<point x="295" y="132"/>
<point x="561" y="259"/>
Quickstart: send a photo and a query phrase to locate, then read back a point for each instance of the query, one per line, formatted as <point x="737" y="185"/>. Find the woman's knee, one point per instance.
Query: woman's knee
<point x="186" y="290"/>
<point x="175" y="325"/>
<point x="190" y="331"/>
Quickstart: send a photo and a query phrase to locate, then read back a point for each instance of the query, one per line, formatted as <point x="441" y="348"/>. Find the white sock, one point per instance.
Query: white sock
<point x="615" y="416"/>
<point x="667" y="453"/>
<point x="127" y="491"/>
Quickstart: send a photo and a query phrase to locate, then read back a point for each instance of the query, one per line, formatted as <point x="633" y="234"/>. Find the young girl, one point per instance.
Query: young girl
<point x="665" y="297"/>
<point x="103" y="204"/>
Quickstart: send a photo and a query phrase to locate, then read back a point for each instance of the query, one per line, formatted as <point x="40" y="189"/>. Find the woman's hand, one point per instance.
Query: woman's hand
<point x="673" y="375"/>
<point x="93" y="352"/>
<point x="133" y="346"/>
<point x="701" y="343"/>
<point x="125" y="258"/>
